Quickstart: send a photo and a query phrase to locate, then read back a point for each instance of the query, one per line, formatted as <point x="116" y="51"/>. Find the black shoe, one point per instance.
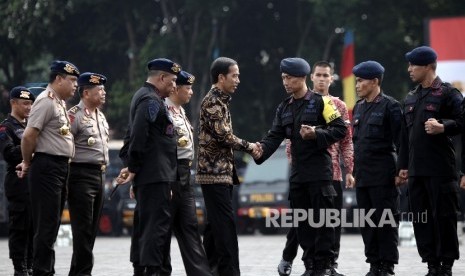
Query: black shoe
<point x="445" y="270"/>
<point x="284" y="268"/>
<point x="20" y="273"/>
<point x="321" y="272"/>
<point x="374" y="270"/>
<point x="386" y="269"/>
<point x="433" y="269"/>
<point x="335" y="272"/>
<point x="138" y="270"/>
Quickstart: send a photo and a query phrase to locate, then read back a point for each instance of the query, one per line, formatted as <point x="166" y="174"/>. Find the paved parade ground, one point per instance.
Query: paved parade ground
<point x="259" y="256"/>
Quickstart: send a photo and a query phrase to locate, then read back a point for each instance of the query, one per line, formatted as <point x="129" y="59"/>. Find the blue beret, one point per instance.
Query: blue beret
<point x="89" y="78"/>
<point x="64" y="67"/>
<point x="185" y="78"/>
<point x="21" y="92"/>
<point x="368" y="70"/>
<point x="164" y="64"/>
<point x="422" y="55"/>
<point x="297" y="67"/>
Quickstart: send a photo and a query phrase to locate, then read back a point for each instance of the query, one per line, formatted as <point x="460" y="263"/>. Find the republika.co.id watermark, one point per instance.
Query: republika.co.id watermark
<point x="334" y="218"/>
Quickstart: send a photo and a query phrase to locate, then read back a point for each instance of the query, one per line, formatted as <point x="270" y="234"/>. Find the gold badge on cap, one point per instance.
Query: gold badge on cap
<point x="191" y="79"/>
<point x="182" y="142"/>
<point x="24" y="94"/>
<point x="94" y="79"/>
<point x="91" y="141"/>
<point x="69" y="68"/>
<point x="64" y="130"/>
<point x="176" y="68"/>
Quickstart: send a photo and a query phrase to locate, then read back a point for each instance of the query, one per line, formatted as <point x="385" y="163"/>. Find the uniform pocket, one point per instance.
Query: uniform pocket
<point x="375" y="127"/>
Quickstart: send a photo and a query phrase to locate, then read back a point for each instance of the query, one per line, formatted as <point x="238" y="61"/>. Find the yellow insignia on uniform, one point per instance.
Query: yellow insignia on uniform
<point x="191" y="79"/>
<point x="73" y="109"/>
<point x="64" y="130"/>
<point x="176" y="68"/>
<point x="91" y="141"/>
<point x="50" y="95"/>
<point x="94" y="79"/>
<point x="182" y="142"/>
<point x="25" y="95"/>
<point x="69" y="68"/>
<point x="330" y="111"/>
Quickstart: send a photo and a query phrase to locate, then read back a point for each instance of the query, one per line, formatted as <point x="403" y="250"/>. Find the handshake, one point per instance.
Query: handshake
<point x="257" y="150"/>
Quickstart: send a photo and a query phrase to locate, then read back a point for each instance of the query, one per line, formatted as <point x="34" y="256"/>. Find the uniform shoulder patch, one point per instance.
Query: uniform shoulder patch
<point x="330" y="111"/>
<point x="50" y="95"/>
<point x="74" y="109"/>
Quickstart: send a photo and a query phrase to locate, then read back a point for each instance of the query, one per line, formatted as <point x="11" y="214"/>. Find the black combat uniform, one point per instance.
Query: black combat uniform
<point x="311" y="171"/>
<point x="20" y="231"/>
<point x="377" y="127"/>
<point x="430" y="160"/>
<point x="152" y="157"/>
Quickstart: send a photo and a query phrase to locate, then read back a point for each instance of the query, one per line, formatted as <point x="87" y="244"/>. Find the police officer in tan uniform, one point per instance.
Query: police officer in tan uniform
<point x="47" y="147"/>
<point x="183" y="214"/>
<point x="85" y="185"/>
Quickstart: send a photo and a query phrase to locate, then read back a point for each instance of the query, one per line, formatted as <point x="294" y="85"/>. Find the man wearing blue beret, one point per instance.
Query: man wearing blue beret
<point x="20" y="232"/>
<point x="85" y="186"/>
<point x="47" y="147"/>
<point x="432" y="113"/>
<point x="151" y="156"/>
<point x="376" y="123"/>
<point x="312" y="123"/>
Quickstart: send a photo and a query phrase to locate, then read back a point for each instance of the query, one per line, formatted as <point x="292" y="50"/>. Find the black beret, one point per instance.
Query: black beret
<point x="422" y="55"/>
<point x="64" y="67"/>
<point x="297" y="67"/>
<point x="89" y="78"/>
<point x="164" y="64"/>
<point x="185" y="78"/>
<point x="21" y="92"/>
<point x="368" y="70"/>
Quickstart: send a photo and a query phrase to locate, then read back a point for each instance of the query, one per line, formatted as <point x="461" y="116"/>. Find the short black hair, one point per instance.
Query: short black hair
<point x="322" y="63"/>
<point x="220" y="66"/>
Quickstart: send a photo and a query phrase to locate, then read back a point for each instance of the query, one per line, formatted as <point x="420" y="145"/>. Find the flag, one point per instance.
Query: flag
<point x="348" y="78"/>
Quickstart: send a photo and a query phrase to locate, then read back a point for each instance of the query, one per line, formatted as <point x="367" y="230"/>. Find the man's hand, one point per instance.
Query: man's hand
<point x="462" y="182"/>
<point x="22" y="169"/>
<point x="257" y="150"/>
<point x="433" y="127"/>
<point x="125" y="176"/>
<point x="350" y="181"/>
<point x="307" y="132"/>
<point x="402" y="178"/>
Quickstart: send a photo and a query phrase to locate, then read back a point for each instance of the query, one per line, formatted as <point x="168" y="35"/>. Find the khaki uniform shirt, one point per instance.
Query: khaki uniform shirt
<point x="49" y="116"/>
<point x="183" y="130"/>
<point x="90" y="135"/>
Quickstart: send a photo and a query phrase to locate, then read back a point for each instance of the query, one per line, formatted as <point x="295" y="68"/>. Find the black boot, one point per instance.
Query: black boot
<point x="334" y="271"/>
<point x="138" y="270"/>
<point x="20" y="267"/>
<point x="445" y="270"/>
<point x="374" y="269"/>
<point x="386" y="269"/>
<point x="321" y="268"/>
<point x="433" y="269"/>
<point x="152" y="271"/>
<point x="29" y="267"/>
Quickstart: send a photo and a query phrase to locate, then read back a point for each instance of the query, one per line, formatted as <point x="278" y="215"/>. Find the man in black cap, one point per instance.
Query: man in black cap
<point x="20" y="232"/>
<point x="312" y="123"/>
<point x="377" y="124"/>
<point x="432" y="113"/>
<point x="152" y="164"/>
<point x="183" y="212"/>
<point x="48" y="138"/>
<point x="85" y="186"/>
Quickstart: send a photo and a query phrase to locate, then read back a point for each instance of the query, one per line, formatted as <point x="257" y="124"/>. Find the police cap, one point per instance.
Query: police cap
<point x="422" y="55"/>
<point x="163" y="64"/>
<point x="185" y="78"/>
<point x="64" y="67"/>
<point x="297" y="67"/>
<point x="89" y="78"/>
<point x="368" y="70"/>
<point x="21" y="92"/>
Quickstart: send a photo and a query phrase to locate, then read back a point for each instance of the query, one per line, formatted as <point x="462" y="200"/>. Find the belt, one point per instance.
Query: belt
<point x="61" y="158"/>
<point x="185" y="162"/>
<point x="99" y="167"/>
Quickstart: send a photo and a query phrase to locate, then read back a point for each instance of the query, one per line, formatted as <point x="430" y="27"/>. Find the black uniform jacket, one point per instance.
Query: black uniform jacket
<point x="311" y="160"/>
<point x="152" y="144"/>
<point x="421" y="153"/>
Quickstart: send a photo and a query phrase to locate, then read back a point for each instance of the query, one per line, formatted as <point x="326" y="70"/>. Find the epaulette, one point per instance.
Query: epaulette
<point x="50" y="95"/>
<point x="74" y="109"/>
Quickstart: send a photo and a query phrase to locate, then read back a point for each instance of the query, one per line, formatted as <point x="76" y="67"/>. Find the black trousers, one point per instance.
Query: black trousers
<point x="20" y="230"/>
<point x="220" y="237"/>
<point x="380" y="242"/>
<point x="152" y="220"/>
<point x="48" y="175"/>
<point x="316" y="242"/>
<point x="292" y="243"/>
<point x="185" y="227"/>
<point x="85" y="201"/>
<point x="434" y="204"/>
